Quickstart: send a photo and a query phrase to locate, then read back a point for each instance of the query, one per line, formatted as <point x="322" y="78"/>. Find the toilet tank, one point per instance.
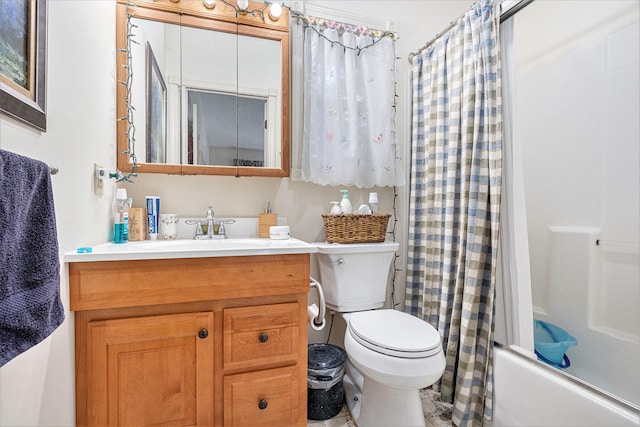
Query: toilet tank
<point x="354" y="276"/>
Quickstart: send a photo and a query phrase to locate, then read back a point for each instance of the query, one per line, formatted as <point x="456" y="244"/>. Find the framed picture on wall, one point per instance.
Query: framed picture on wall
<point x="156" y="111"/>
<point x="23" y="55"/>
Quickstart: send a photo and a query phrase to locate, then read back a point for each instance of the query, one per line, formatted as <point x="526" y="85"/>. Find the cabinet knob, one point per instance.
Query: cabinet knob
<point x="263" y="337"/>
<point x="262" y="404"/>
<point x="203" y="333"/>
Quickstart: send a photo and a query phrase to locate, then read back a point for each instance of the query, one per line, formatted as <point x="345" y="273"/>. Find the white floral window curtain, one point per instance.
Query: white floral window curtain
<point x="349" y="134"/>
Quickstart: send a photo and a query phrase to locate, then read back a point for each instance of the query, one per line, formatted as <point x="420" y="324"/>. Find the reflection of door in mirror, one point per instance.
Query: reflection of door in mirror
<point x="261" y="82"/>
<point x="210" y="83"/>
<point x="208" y="91"/>
<point x="215" y="136"/>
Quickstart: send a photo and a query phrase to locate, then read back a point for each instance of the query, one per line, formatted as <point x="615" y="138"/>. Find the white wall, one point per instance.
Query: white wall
<point x="37" y="388"/>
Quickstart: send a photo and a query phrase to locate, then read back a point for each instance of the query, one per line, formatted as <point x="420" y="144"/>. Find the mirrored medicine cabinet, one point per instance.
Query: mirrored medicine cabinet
<point x="209" y="88"/>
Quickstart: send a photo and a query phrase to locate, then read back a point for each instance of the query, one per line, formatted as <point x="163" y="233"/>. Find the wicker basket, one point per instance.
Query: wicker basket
<point x="355" y="228"/>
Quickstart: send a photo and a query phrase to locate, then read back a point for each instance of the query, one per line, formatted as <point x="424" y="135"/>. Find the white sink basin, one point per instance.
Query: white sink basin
<point x="199" y="245"/>
<point x="163" y="249"/>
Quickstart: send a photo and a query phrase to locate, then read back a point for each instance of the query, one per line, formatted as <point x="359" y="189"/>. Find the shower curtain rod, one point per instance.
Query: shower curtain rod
<point x="504" y="15"/>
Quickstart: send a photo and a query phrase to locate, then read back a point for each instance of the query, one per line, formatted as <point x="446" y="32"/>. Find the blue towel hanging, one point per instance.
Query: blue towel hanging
<point x="30" y="305"/>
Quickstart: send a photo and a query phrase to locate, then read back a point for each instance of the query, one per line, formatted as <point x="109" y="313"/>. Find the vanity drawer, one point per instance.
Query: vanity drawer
<point x="262" y="398"/>
<point x="136" y="283"/>
<point x="261" y="335"/>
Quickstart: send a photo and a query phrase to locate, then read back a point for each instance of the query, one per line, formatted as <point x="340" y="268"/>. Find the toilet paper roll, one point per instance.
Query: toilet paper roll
<point x="312" y="314"/>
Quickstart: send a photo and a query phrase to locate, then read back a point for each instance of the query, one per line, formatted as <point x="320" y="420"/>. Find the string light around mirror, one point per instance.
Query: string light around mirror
<point x="131" y="128"/>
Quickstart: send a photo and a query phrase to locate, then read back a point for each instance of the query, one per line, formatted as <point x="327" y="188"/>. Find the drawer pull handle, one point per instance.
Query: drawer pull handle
<point x="263" y="337"/>
<point x="262" y="404"/>
<point x="203" y="333"/>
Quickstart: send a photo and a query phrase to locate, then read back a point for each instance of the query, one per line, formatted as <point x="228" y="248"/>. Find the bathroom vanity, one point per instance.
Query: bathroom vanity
<point x="192" y="333"/>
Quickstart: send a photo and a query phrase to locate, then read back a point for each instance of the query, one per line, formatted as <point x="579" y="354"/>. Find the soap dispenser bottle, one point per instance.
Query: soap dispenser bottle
<point x="121" y="217"/>
<point x="345" y="203"/>
<point x="373" y="203"/>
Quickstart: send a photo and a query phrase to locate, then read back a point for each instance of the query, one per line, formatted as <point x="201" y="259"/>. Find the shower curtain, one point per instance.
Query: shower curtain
<point x="455" y="203"/>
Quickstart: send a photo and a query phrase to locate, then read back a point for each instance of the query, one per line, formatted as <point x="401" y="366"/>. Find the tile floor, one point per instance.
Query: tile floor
<point x="436" y="414"/>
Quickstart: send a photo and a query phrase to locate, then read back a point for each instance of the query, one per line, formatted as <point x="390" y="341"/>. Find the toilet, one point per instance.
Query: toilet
<point x="391" y="354"/>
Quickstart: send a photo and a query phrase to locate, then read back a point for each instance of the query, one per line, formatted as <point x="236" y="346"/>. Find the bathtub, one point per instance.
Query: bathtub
<point x="528" y="393"/>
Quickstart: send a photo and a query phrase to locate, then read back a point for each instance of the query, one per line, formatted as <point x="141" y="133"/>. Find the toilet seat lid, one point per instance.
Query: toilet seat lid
<point x="395" y="333"/>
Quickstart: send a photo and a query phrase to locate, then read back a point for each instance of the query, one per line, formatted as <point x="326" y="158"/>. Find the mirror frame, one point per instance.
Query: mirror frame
<point x="223" y="18"/>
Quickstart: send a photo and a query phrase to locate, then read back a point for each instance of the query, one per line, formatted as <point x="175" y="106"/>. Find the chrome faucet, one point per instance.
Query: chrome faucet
<point x="211" y="224"/>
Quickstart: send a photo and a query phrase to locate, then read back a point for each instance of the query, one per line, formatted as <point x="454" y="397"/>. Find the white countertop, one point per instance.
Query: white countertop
<point x="166" y="249"/>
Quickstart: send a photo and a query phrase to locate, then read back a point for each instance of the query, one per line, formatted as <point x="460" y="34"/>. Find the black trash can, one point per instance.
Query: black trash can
<point x="325" y="395"/>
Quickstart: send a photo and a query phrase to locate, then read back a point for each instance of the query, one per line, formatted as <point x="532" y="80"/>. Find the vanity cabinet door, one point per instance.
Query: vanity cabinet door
<point x="262" y="398"/>
<point x="155" y="370"/>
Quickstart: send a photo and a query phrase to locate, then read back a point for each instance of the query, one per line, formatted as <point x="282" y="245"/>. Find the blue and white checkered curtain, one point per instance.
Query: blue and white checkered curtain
<point x="455" y="203"/>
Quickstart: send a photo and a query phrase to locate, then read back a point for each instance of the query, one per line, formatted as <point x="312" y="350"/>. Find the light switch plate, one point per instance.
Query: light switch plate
<point x="98" y="181"/>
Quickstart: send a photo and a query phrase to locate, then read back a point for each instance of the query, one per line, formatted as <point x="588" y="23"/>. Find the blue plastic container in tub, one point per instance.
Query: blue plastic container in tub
<point x="551" y="343"/>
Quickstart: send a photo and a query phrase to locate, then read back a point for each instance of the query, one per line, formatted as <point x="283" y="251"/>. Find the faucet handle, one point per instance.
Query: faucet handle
<point x="198" y="225"/>
<point x="222" y="222"/>
<point x="210" y="212"/>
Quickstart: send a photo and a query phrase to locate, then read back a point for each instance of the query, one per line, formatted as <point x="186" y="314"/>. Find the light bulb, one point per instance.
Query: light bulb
<point x="275" y="10"/>
<point x="209" y="4"/>
<point x="243" y="4"/>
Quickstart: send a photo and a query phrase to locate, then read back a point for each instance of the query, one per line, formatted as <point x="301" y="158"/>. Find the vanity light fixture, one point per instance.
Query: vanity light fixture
<point x="242" y="8"/>
<point x="275" y="10"/>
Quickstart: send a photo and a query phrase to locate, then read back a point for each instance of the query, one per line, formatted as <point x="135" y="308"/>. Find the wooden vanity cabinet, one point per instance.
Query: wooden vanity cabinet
<point x="218" y="341"/>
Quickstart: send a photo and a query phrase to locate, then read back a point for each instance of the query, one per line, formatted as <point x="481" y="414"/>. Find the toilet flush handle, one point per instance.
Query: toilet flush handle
<point x="340" y="261"/>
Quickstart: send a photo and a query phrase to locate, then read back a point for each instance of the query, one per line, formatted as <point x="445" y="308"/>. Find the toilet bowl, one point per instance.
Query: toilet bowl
<point x="391" y="354"/>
